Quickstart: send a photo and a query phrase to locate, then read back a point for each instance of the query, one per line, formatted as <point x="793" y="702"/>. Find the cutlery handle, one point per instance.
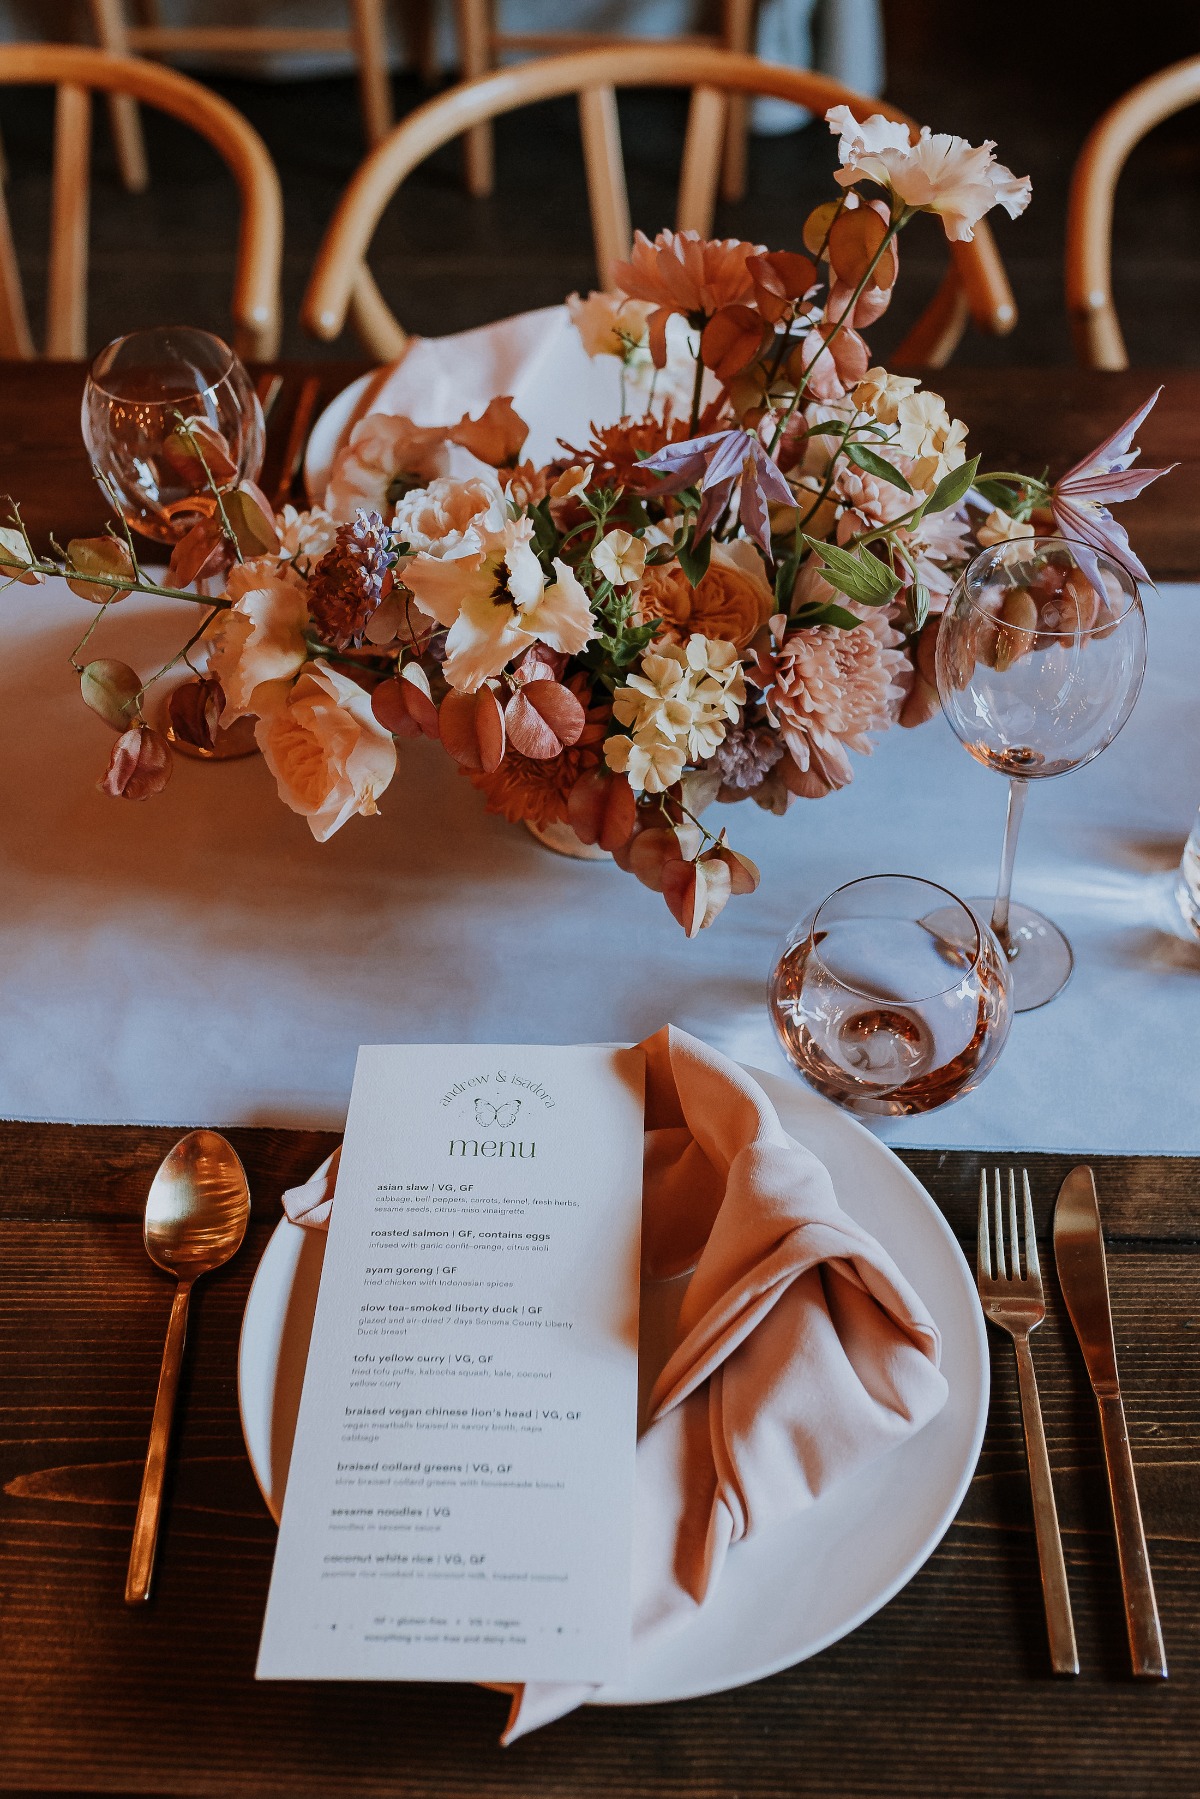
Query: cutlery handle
<point x="1141" y="1609"/>
<point x="1060" y="1627"/>
<point x="145" y="1529"/>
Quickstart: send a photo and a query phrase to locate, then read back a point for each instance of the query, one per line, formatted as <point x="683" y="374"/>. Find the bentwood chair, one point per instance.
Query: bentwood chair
<point x="364" y="34"/>
<point x="975" y="284"/>
<point x="1098" y="340"/>
<point x="76" y="73"/>
<point x="481" y="44"/>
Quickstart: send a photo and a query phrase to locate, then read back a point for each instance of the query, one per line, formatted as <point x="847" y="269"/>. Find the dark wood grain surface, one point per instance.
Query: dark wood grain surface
<point x="945" y="1692"/>
<point x="1027" y="419"/>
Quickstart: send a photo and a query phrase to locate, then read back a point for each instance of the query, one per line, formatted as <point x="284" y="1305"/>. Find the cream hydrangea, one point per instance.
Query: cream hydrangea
<point x="880" y="393"/>
<point x="934" y="442"/>
<point x="678" y="708"/>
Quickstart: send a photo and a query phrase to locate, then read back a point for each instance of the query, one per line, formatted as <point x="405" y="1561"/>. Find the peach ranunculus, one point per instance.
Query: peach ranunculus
<point x="493" y="597"/>
<point x="434" y="520"/>
<point x="609" y="325"/>
<point x="329" y="755"/>
<point x="685" y="273"/>
<point x="260" y="640"/>
<point x="939" y="173"/>
<point x="383" y="457"/>
<point x="733" y="600"/>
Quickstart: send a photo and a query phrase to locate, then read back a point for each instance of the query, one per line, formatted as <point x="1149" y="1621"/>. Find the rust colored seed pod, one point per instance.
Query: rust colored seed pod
<point x="1018" y="627"/>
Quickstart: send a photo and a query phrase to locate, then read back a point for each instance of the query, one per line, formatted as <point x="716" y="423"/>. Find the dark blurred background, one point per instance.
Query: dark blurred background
<point x="1032" y="76"/>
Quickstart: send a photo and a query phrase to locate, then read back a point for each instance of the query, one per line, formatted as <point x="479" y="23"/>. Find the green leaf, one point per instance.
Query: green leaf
<point x="863" y="578"/>
<point x="919" y="602"/>
<point x="997" y="493"/>
<point x="951" y="488"/>
<point x="877" y="466"/>
<point x="827" y="615"/>
<point x="828" y="428"/>
<point x="694" y="557"/>
<point x="785" y="580"/>
<point x="545" y="531"/>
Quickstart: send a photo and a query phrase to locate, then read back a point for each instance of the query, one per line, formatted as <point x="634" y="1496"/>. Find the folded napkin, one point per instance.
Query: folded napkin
<point x="537" y="357"/>
<point x="800" y="1353"/>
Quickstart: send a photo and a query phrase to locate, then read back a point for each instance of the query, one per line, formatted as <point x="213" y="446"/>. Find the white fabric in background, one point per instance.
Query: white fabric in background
<point x="197" y="958"/>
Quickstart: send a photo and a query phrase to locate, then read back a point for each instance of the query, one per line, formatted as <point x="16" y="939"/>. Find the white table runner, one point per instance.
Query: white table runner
<point x="199" y="959"/>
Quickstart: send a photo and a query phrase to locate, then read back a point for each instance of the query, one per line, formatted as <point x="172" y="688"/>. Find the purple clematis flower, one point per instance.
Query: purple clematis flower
<point x="1080" y="500"/>
<point x="718" y="463"/>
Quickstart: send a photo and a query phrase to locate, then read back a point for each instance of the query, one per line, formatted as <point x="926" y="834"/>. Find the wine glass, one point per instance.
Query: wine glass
<point x="1040" y="656"/>
<point x="138" y="389"/>
<point x="884" y="1011"/>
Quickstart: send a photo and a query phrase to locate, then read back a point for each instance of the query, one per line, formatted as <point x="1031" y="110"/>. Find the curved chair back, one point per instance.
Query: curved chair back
<point x="77" y="72"/>
<point x="1098" y="340"/>
<point x="341" y="282"/>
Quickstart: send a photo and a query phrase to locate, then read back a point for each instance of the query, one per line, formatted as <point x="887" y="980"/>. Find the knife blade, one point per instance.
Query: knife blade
<point x="1083" y="1276"/>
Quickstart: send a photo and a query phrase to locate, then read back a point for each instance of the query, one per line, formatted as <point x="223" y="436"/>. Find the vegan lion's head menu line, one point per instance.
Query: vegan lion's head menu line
<point x="459" y="1502"/>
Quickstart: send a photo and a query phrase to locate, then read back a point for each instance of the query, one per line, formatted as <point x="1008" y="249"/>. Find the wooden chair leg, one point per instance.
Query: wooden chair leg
<point x="108" y="22"/>
<point x="737" y="33"/>
<point x="66" y="283"/>
<point x="475" y="55"/>
<point x="16" y="339"/>
<point x="369" y="28"/>
<point x="420" y="23"/>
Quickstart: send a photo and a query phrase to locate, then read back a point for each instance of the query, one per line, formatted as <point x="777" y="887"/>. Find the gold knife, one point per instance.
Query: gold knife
<point x="1083" y="1276"/>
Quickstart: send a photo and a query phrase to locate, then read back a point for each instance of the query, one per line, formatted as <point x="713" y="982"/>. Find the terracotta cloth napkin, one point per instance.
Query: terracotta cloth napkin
<point x="801" y="1352"/>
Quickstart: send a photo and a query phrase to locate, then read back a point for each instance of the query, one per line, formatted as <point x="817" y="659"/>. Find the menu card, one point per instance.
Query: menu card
<point x="460" y="1497"/>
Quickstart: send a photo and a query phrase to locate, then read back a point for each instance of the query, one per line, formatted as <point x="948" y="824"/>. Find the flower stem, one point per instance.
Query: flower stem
<point x="697" y="387"/>
<point x="894" y="227"/>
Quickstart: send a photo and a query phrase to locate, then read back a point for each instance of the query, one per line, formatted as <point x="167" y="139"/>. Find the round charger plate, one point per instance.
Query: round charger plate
<point x="326" y="436"/>
<point x="805" y="1583"/>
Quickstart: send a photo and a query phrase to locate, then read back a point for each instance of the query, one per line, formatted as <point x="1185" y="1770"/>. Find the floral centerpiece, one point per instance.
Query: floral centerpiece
<point x="719" y="597"/>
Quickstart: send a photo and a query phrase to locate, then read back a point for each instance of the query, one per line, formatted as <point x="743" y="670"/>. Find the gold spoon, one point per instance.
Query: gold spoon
<point x="197" y="1210"/>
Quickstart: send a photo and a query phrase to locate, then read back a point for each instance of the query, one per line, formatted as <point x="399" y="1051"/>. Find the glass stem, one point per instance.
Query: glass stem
<point x="1012" y="826"/>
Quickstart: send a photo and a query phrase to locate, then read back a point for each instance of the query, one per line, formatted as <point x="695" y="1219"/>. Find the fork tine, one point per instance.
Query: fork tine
<point x="1032" y="1265"/>
<point x="1013" y="1239"/>
<point x="985" y="1240"/>
<point x="1001" y="1260"/>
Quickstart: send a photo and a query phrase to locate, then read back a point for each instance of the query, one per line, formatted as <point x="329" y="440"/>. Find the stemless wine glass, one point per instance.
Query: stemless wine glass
<point x="137" y="391"/>
<point x="1040" y="655"/>
<point x="885" y="1011"/>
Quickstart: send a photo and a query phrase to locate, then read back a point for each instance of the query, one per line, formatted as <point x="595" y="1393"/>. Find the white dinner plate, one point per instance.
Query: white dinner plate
<point x="327" y="434"/>
<point x="803" y="1584"/>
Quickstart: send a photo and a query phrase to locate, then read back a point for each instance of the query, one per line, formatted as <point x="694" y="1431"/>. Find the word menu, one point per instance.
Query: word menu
<point x="460" y="1496"/>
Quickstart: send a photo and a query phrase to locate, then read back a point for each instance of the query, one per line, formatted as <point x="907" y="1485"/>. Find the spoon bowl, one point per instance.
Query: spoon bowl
<point x="198" y="1206"/>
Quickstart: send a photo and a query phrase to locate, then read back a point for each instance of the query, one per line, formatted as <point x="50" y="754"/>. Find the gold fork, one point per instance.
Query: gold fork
<point x="1016" y="1303"/>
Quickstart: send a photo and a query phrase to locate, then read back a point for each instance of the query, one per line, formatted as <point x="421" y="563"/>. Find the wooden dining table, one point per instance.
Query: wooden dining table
<point x="945" y="1691"/>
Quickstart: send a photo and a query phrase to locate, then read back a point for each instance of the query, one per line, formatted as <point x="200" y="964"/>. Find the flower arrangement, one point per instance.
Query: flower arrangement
<point x="720" y="597"/>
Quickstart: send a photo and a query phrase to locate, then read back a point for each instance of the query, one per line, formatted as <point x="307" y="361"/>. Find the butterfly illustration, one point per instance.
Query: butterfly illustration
<point x="486" y="1113"/>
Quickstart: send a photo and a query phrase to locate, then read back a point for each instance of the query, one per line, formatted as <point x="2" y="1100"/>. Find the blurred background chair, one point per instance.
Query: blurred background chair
<point x="364" y="34"/>
<point x="482" y="45"/>
<point x="76" y="72"/>
<point x="1095" y="329"/>
<point x="975" y="284"/>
